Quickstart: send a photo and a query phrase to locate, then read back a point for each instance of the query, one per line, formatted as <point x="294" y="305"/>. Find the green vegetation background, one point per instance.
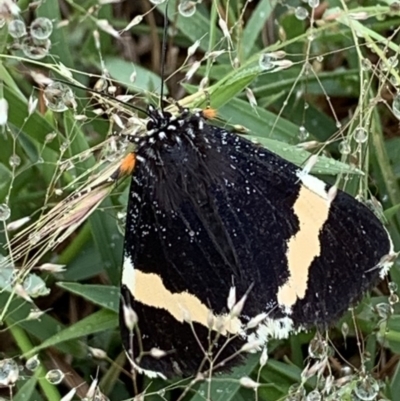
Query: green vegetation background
<point x="337" y="70"/>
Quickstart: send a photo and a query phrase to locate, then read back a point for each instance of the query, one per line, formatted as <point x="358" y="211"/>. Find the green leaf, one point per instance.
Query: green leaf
<point x="121" y="70"/>
<point x="32" y="284"/>
<point x="95" y="323"/>
<point x="258" y="121"/>
<point x="103" y="295"/>
<point x="108" y="240"/>
<point x="25" y="392"/>
<point x="255" y="25"/>
<point x="395" y="382"/>
<point x="323" y="166"/>
<point x="392" y="211"/>
<point x="34" y="126"/>
<point x="59" y="45"/>
<point x="226" y="387"/>
<point x="194" y="28"/>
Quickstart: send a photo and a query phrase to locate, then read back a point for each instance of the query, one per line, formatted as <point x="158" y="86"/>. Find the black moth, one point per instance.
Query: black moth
<point x="211" y="215"/>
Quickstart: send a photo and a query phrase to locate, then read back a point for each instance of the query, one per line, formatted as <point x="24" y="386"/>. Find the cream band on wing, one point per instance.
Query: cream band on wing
<point x="149" y="289"/>
<point x="312" y="210"/>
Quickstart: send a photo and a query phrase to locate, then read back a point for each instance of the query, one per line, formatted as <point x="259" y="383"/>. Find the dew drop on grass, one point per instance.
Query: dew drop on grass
<point x="301" y="13"/>
<point x="314" y="395"/>
<point x="393" y="286"/>
<point x="265" y="62"/>
<point x="187" y="8"/>
<point x="366" y="389"/>
<point x="313" y="3"/>
<point x="360" y="135"/>
<point x="50" y="137"/>
<point x="392" y="62"/>
<point x="14" y="161"/>
<point x="9" y="372"/>
<point x="318" y="348"/>
<point x="58" y="97"/>
<point x="34" y="238"/>
<point x="54" y="376"/>
<point x="366" y="64"/>
<point x="5" y="212"/>
<point x="32" y="363"/>
<point x="383" y="310"/>
<point x="303" y="134"/>
<point x="17" y="28"/>
<point x="345" y="330"/>
<point x="396" y="105"/>
<point x="34" y="48"/>
<point x="41" y="28"/>
<point x="344" y="147"/>
<point x="157" y="2"/>
<point x="295" y="393"/>
<point x="393" y="299"/>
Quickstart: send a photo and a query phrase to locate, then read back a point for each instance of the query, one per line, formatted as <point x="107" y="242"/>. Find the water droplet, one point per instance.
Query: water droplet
<point x="32" y="363"/>
<point x="394" y="7"/>
<point x="383" y="310"/>
<point x="9" y="372"/>
<point x="396" y="105"/>
<point x="366" y="64"/>
<point x="157" y="2"/>
<point x="360" y="135"/>
<point x="34" y="48"/>
<point x="34" y="238"/>
<point x="17" y="28"/>
<point x="64" y="146"/>
<point x="320" y="59"/>
<point x="303" y="133"/>
<point x="313" y="3"/>
<point x="366" y="389"/>
<point x="392" y="62"/>
<point x="345" y="330"/>
<point x="346" y="371"/>
<point x="318" y="348"/>
<point x="296" y="393"/>
<point x="187" y="8"/>
<point x="344" y="147"/>
<point x="58" y="191"/>
<point x="58" y="97"/>
<point x="50" y="137"/>
<point x="14" y="160"/>
<point x="393" y="299"/>
<point x="265" y="62"/>
<point x="54" y="376"/>
<point x="314" y="395"/>
<point x="41" y="28"/>
<point x="393" y="286"/>
<point x="5" y="212"/>
<point x="301" y="13"/>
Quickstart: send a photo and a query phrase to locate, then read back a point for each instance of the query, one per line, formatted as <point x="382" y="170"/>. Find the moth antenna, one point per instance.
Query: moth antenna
<point x="163" y="55"/>
<point x="102" y="94"/>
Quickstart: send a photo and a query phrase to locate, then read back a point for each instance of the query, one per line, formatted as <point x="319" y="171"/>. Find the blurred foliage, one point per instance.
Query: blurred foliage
<point x="328" y="69"/>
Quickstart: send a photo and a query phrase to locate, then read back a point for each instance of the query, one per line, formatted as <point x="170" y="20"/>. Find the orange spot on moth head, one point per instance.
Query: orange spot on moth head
<point x="209" y="113"/>
<point x="128" y="164"/>
<point x="126" y="167"/>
